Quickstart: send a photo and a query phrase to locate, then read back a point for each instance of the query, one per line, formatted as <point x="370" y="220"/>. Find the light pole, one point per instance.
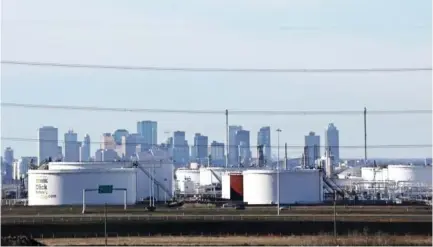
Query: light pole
<point x="278" y="171"/>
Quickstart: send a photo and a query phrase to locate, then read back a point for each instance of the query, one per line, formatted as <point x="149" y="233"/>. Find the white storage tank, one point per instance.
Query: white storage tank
<point x="65" y="187"/>
<point x="164" y="174"/>
<point x="374" y="173"/>
<point x="186" y="174"/>
<point x="225" y="186"/>
<point x="410" y="173"/>
<point x="296" y="186"/>
<point x="211" y="175"/>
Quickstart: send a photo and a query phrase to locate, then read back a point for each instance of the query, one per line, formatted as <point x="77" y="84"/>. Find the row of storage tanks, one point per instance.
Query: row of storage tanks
<point x="256" y="186"/>
<point x="400" y="174"/>
<point x="63" y="183"/>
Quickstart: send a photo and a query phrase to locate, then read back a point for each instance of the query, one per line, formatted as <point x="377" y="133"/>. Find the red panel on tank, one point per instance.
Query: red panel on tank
<point x="236" y="187"/>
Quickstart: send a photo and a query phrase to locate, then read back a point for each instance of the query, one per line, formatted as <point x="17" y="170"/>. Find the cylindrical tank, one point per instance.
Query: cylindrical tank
<point x="410" y="173"/>
<point x="65" y="187"/>
<point x="295" y="186"/>
<point x="236" y="187"/>
<point x="190" y="175"/>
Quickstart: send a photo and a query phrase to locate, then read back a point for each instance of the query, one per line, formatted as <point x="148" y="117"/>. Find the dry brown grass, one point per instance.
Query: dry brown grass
<point x="378" y="240"/>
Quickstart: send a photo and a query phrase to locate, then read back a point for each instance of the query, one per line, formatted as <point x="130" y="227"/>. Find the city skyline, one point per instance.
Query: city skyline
<point x="235" y="35"/>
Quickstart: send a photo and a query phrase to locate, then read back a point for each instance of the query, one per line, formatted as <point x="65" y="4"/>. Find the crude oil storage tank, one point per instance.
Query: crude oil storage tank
<point x="233" y="186"/>
<point x="163" y="174"/>
<point x="374" y="173"/>
<point x="410" y="173"/>
<point x="296" y="186"/>
<point x="65" y="187"/>
<point x="213" y="175"/>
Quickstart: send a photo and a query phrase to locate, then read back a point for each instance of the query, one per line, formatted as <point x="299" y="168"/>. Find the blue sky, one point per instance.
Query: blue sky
<point x="238" y="34"/>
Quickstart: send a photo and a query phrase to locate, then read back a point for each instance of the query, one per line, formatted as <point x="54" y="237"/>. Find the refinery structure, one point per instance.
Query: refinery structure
<point x="67" y="183"/>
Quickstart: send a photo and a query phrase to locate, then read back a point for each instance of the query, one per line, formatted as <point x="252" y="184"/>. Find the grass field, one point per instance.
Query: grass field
<point x="323" y="240"/>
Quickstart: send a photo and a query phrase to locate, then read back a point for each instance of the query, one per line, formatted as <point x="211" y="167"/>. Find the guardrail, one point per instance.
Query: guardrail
<point x="148" y="218"/>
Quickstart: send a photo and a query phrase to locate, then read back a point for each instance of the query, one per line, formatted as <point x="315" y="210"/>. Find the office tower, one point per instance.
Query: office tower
<point x="8" y="156"/>
<point x="72" y="147"/>
<point x="180" y="149"/>
<point x="85" y="149"/>
<point x="312" y="149"/>
<point x="264" y="139"/>
<point x="332" y="143"/>
<point x="118" y="134"/>
<point x="149" y="131"/>
<point x="233" y="145"/>
<point x="130" y="144"/>
<point x="21" y="166"/>
<point x="243" y="144"/>
<point x="107" y="141"/>
<point x="200" y="148"/>
<point x="47" y="143"/>
<point x="217" y="153"/>
<point x="106" y="155"/>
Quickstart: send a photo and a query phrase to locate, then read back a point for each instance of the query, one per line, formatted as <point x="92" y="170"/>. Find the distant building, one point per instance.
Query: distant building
<point x="180" y="149"/>
<point x="264" y="139"/>
<point x="8" y="155"/>
<point x="107" y="141"/>
<point x="21" y="166"/>
<point x="130" y="144"/>
<point x="243" y="144"/>
<point x="311" y="149"/>
<point x="118" y="134"/>
<point x="72" y="147"/>
<point x="149" y="131"/>
<point x="332" y="143"/>
<point x="85" y="149"/>
<point x="233" y="155"/>
<point x="200" y="148"/>
<point x="217" y="153"/>
<point x="47" y="143"/>
<point x="106" y="155"/>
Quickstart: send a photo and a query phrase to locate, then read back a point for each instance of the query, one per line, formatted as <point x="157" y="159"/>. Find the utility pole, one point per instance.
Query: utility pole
<point x="105" y="223"/>
<point x="365" y="134"/>
<point x="285" y="156"/>
<point x="278" y="171"/>
<point x="335" y="214"/>
<point x="227" y="138"/>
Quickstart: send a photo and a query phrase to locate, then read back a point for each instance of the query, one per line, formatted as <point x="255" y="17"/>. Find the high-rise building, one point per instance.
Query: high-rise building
<point x="8" y="155"/>
<point x="47" y="143"/>
<point x="129" y="145"/>
<point x="312" y="149"/>
<point x="85" y="149"/>
<point x="72" y="147"/>
<point x="332" y="143"/>
<point x="243" y="145"/>
<point x="149" y="131"/>
<point x="107" y="141"/>
<point x="106" y="155"/>
<point x="264" y="139"/>
<point x="180" y="149"/>
<point x="22" y="165"/>
<point x="217" y="153"/>
<point x="200" y="148"/>
<point x="118" y="134"/>
<point x="233" y="155"/>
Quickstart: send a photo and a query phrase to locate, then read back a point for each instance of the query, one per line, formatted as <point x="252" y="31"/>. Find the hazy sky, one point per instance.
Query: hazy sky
<point x="234" y="34"/>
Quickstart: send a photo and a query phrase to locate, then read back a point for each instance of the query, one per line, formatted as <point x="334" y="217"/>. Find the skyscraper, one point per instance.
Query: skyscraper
<point x="332" y="143"/>
<point x="312" y="149"/>
<point x="217" y="153"/>
<point x="200" y="148"/>
<point x="107" y="141"/>
<point x="72" y="147"/>
<point x="233" y="145"/>
<point x="85" y="149"/>
<point x="47" y="143"/>
<point x="243" y="145"/>
<point x="8" y="155"/>
<point x="149" y="131"/>
<point x="264" y="138"/>
<point x="118" y="134"/>
<point x="180" y="149"/>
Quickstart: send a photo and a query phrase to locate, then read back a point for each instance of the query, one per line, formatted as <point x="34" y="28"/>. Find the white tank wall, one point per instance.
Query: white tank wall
<point x="225" y="186"/>
<point x="164" y="173"/>
<point x="50" y="187"/>
<point x="208" y="178"/>
<point x="420" y="174"/>
<point x="297" y="186"/>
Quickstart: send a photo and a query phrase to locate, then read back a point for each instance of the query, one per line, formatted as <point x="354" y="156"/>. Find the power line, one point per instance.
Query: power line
<point x="379" y="146"/>
<point x="216" y="112"/>
<point x="219" y="70"/>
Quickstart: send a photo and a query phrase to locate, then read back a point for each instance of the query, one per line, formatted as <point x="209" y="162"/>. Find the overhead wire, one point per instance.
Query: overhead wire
<point x="216" y="112"/>
<point x="217" y="69"/>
